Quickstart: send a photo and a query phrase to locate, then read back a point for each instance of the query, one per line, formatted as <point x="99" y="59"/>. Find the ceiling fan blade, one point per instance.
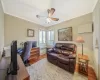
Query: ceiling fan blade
<point x="51" y="11"/>
<point x="54" y="19"/>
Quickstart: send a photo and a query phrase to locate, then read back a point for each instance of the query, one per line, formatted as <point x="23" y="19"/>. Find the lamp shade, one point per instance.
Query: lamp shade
<point x="80" y="39"/>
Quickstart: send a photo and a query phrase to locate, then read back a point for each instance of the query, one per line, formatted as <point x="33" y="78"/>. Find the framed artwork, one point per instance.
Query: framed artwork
<point x="86" y="28"/>
<point x="30" y="33"/>
<point x="65" y="34"/>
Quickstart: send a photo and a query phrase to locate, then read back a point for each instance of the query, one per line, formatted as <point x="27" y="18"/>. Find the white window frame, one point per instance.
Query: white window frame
<point x="43" y="39"/>
<point x="50" y="41"/>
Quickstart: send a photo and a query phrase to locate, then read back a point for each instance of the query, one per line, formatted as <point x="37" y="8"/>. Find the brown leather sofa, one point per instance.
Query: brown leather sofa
<point x="63" y="55"/>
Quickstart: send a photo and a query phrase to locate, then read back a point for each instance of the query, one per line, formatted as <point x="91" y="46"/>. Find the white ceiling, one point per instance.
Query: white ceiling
<point x="65" y="9"/>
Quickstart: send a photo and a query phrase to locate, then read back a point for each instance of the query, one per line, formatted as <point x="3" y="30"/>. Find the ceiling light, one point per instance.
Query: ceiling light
<point x="48" y="20"/>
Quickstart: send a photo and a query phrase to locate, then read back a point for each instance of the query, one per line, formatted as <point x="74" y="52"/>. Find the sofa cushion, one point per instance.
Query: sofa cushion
<point x="58" y="45"/>
<point x="63" y="59"/>
<point x="50" y="50"/>
<point x="67" y="46"/>
<point x="57" y="50"/>
<point x="70" y="49"/>
<point x="64" y="48"/>
<point x="66" y="53"/>
<point x="72" y="56"/>
<point x="53" y="54"/>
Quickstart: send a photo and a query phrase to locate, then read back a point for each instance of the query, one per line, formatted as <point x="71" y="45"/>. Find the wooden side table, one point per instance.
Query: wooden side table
<point x="83" y="64"/>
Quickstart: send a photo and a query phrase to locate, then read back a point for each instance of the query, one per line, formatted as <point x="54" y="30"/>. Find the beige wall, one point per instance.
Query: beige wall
<point x="1" y="28"/>
<point x="96" y="35"/>
<point x="16" y="29"/>
<point x="75" y="23"/>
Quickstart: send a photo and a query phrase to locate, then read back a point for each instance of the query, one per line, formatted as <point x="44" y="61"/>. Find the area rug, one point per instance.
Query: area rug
<point x="44" y="70"/>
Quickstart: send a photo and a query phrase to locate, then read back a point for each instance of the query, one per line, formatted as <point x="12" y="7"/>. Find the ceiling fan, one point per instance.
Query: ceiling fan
<point x="49" y="17"/>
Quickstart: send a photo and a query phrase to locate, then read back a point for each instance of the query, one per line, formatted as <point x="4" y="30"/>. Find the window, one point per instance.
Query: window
<point x="51" y="37"/>
<point x="42" y="36"/>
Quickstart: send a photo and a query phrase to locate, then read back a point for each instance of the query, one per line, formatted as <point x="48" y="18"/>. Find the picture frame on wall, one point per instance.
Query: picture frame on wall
<point x="30" y="33"/>
<point x="65" y="34"/>
<point x="85" y="28"/>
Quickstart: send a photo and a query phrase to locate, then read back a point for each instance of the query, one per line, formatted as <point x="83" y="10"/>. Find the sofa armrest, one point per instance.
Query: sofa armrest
<point x="50" y="50"/>
<point x="72" y="56"/>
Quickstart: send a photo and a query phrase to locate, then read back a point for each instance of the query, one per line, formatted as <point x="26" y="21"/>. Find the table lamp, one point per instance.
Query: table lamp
<point x="80" y="40"/>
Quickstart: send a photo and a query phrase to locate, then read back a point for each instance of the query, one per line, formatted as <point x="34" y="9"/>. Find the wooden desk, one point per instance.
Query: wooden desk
<point x="83" y="64"/>
<point x="22" y="72"/>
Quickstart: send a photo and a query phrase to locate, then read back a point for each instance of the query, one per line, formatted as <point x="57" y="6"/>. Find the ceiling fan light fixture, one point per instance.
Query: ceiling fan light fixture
<point x="48" y="20"/>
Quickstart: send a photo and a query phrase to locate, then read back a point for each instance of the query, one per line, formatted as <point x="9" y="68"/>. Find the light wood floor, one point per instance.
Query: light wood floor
<point x="91" y="73"/>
